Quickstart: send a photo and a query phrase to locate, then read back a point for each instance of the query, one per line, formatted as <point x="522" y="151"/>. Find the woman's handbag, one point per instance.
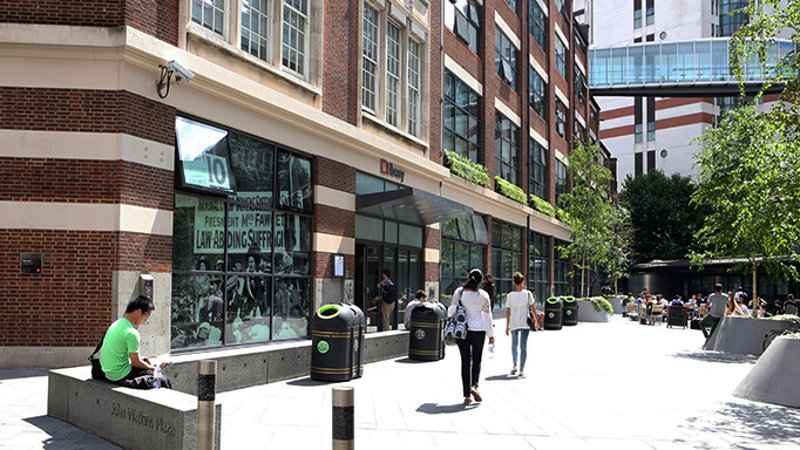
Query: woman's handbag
<point x="97" y="370"/>
<point x="456" y="326"/>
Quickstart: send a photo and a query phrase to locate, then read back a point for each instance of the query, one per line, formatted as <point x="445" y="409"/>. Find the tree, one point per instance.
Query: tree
<point x="749" y="166"/>
<point x="617" y="262"/>
<point x="663" y="219"/>
<point x="591" y="216"/>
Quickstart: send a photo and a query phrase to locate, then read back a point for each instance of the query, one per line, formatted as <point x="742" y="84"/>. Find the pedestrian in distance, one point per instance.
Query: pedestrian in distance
<point x="488" y="286"/>
<point x="719" y="306"/>
<point x="520" y="303"/>
<point x="476" y="304"/>
<point x="419" y="297"/>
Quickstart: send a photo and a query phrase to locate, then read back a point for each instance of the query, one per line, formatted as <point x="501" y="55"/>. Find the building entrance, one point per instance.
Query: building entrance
<point x="405" y="265"/>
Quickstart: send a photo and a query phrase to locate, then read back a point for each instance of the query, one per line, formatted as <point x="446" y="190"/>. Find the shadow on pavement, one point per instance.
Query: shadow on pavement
<point x="10" y="374"/>
<point x="63" y="435"/>
<point x="308" y="381"/>
<point x="410" y="361"/>
<point x="717" y="357"/>
<point x="751" y="422"/>
<point x="503" y="377"/>
<point x="435" y="408"/>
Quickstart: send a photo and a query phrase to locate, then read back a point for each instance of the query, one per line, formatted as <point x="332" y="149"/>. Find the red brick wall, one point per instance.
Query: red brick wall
<point x="435" y="75"/>
<point x="335" y="221"/>
<point x="69" y="304"/>
<point x="432" y="238"/>
<point x="81" y="110"/>
<point x="431" y="271"/>
<point x="342" y="63"/>
<point x="335" y="175"/>
<point x="158" y="18"/>
<point x="85" y="181"/>
<point x="143" y="252"/>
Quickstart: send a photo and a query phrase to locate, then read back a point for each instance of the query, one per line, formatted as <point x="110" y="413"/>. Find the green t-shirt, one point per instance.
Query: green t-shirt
<point x="120" y="340"/>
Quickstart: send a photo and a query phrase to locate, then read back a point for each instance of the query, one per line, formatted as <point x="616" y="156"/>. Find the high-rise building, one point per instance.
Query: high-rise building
<point x="244" y="162"/>
<point x="646" y="133"/>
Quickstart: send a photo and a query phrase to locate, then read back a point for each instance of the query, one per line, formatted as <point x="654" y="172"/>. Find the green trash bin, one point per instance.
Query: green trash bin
<point x="552" y="313"/>
<point x="570" y="317"/>
<point x="426" y="337"/>
<point x="337" y="340"/>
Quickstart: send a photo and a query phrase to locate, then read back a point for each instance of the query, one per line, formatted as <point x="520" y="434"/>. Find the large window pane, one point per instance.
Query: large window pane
<point x="294" y="181"/>
<point x="291" y="308"/>
<point x="197" y="309"/>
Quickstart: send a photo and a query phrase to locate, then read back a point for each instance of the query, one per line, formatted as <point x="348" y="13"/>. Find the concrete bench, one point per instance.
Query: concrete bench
<point x="130" y="418"/>
<point x="243" y="367"/>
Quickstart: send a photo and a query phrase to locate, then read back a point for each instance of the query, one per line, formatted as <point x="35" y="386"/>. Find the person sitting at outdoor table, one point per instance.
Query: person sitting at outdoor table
<point x="677" y="301"/>
<point x="733" y="308"/>
<point x="742" y="307"/>
<point x="759" y="304"/>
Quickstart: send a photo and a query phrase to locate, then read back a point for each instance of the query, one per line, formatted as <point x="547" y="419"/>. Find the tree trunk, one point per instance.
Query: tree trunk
<point x="756" y="304"/>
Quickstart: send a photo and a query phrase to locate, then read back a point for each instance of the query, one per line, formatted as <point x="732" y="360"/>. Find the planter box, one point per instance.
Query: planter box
<point x="774" y="377"/>
<point x="587" y="313"/>
<point x="616" y="303"/>
<point x="738" y="334"/>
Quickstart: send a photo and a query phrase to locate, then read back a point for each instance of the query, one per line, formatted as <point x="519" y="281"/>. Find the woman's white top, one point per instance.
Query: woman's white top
<point x="520" y="304"/>
<point x="478" y="308"/>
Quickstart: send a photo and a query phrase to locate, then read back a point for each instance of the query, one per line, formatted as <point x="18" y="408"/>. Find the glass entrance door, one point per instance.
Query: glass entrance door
<point x="405" y="265"/>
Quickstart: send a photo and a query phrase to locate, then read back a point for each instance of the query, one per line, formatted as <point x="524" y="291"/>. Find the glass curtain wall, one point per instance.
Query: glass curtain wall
<point x="241" y="259"/>
<point x="562" y="283"/>
<point x="539" y="266"/>
<point x="463" y="249"/>
<point x="506" y="258"/>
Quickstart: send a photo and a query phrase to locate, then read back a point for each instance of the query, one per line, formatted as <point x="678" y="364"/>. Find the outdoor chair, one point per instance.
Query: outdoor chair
<point x="656" y="314"/>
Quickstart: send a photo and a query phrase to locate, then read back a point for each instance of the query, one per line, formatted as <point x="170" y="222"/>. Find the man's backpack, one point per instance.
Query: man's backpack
<point x="389" y="292"/>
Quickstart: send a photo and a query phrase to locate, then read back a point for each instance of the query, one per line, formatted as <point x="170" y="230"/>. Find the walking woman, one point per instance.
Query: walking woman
<point x="519" y="302"/>
<point x="479" y="324"/>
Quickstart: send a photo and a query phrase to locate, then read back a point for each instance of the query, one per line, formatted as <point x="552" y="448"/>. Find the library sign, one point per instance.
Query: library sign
<point x="388" y="168"/>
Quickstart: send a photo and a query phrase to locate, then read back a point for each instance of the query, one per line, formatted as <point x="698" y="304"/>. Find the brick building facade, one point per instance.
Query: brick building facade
<point x="236" y="190"/>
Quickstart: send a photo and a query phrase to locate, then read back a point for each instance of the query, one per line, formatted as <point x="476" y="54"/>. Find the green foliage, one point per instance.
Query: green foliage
<point x="542" y="206"/>
<point x="600" y="304"/>
<point x="509" y="190"/>
<point x="591" y="215"/>
<point x="465" y="168"/>
<point x="663" y="218"/>
<point x="790" y="317"/>
<point x="747" y="172"/>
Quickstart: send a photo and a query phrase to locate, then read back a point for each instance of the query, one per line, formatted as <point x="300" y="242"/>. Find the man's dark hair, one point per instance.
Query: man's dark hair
<point x="388" y="273"/>
<point x="718" y="287"/>
<point x="420" y="294"/>
<point x="142" y="303"/>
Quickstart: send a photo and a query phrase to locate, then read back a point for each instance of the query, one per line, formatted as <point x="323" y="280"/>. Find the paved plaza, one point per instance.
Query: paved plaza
<point x="616" y="385"/>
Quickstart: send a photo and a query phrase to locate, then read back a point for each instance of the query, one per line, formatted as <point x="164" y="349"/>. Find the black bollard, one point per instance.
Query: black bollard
<point x="343" y="418"/>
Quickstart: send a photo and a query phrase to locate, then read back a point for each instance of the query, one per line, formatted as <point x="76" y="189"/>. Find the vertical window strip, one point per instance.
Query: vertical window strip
<point x="505" y="59"/>
<point x="413" y="86"/>
<point x="209" y="13"/>
<point x="256" y="29"/>
<point x="461" y="118"/>
<point x="506" y="148"/>
<point x="561" y="57"/>
<point x="295" y="22"/>
<point x="392" y="73"/>
<point x="537" y="169"/>
<point x="536" y="88"/>
<point x="369" y="58"/>
<point x="536" y="23"/>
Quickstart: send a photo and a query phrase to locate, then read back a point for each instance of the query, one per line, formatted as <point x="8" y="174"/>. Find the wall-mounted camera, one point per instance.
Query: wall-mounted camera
<point x="181" y="73"/>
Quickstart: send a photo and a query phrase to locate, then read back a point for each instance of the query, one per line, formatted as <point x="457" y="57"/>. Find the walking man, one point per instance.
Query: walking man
<point x="719" y="304"/>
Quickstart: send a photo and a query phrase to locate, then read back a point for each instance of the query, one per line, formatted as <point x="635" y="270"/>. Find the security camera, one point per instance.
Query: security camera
<point x="181" y="73"/>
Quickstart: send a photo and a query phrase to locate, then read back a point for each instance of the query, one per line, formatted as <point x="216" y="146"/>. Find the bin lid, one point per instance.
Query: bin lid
<point x="328" y="311"/>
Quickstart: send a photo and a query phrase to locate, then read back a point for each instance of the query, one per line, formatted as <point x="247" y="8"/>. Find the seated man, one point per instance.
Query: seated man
<point x="119" y="355"/>
<point x="419" y="297"/>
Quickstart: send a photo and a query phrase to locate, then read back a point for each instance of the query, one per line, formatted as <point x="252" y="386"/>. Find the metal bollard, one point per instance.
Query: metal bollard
<point x="343" y="419"/>
<point x="206" y="398"/>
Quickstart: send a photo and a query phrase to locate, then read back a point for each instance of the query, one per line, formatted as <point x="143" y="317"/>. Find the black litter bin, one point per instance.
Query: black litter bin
<point x="552" y="313"/>
<point x="570" y="317"/>
<point x="337" y="340"/>
<point x="425" y="342"/>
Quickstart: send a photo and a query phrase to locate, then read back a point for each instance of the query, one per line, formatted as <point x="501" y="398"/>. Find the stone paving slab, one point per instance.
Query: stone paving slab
<point x="616" y="385"/>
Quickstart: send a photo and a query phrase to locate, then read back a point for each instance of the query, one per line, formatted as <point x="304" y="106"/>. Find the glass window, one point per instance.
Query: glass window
<point x="413" y="86"/>
<point x="536" y="92"/>
<point x="561" y="268"/>
<point x="580" y="85"/>
<point x="292" y="299"/>
<point x="226" y="249"/>
<point x="505" y="59"/>
<point x="410" y="235"/>
<point x="563" y="7"/>
<point x="295" y="23"/>
<point x="561" y="119"/>
<point x="392" y="73"/>
<point x="506" y="258"/>
<point x="369" y="228"/>
<point x="204" y="156"/>
<point x="461" y="17"/>
<point x="512" y="4"/>
<point x="579" y="132"/>
<point x="369" y="69"/>
<point x="461" y="251"/>
<point x="461" y="117"/>
<point x="539" y="265"/>
<point x="561" y="180"/>
<point x="537" y="23"/>
<point x="209" y="13"/>
<point x="561" y="57"/>
<point x="506" y="147"/>
<point x="537" y="169"/>
<point x="256" y="31"/>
